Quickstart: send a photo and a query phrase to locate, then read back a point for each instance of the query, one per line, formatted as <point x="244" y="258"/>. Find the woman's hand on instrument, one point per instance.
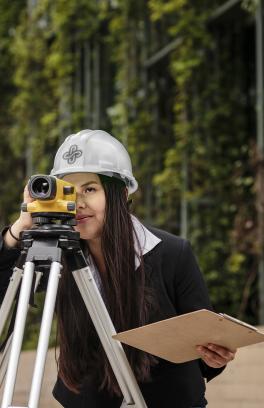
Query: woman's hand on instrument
<point x="215" y="356"/>
<point x="25" y="219"/>
<point x="24" y="222"/>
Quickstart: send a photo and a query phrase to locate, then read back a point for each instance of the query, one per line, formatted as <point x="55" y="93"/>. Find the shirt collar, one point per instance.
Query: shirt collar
<point x="145" y="241"/>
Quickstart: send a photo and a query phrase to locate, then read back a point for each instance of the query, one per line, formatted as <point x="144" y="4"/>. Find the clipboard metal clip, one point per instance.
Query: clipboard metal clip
<point x="226" y="316"/>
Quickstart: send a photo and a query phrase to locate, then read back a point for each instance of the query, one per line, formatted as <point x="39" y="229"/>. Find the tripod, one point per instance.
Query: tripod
<point x="44" y="246"/>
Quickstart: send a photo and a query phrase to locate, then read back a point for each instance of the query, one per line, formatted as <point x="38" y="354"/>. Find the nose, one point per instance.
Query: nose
<point x="80" y="200"/>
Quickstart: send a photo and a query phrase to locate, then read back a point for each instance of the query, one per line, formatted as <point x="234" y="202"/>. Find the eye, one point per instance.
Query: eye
<point x="89" y="189"/>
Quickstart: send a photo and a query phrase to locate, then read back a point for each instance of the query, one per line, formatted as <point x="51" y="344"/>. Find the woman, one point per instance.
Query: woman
<point x="143" y="274"/>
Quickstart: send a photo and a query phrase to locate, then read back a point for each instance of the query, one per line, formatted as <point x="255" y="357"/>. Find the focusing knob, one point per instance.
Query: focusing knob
<point x="71" y="206"/>
<point x="68" y="190"/>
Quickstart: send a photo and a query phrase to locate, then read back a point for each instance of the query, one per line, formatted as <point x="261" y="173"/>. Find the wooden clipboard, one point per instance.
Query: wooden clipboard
<point x="175" y="339"/>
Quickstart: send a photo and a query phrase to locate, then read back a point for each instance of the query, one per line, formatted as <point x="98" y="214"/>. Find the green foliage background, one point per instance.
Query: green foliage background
<point x="188" y="119"/>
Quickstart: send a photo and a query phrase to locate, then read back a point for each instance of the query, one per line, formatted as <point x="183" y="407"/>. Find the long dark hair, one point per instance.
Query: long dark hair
<point x="127" y="295"/>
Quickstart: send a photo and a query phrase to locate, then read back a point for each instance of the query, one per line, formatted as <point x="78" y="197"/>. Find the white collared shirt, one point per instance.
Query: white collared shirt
<point x="144" y="242"/>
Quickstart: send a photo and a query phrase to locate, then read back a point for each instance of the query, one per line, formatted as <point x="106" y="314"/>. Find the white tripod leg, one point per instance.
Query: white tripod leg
<point x="9" y="297"/>
<point x="105" y="329"/>
<point x="4" y="359"/>
<point x="4" y="313"/>
<point x="44" y="334"/>
<point x="18" y="334"/>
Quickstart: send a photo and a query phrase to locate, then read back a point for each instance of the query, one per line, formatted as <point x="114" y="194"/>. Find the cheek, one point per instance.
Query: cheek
<point x="100" y="207"/>
<point x="101" y="214"/>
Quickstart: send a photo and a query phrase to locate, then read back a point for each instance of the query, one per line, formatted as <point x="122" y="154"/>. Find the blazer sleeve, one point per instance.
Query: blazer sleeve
<point x="192" y="294"/>
<point x="8" y="258"/>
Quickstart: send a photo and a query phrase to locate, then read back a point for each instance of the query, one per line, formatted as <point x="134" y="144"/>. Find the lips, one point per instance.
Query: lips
<point x="82" y="217"/>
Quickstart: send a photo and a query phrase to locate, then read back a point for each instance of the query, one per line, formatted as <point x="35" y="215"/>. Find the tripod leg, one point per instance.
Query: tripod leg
<point x="18" y="334"/>
<point x="4" y="359"/>
<point x="45" y="329"/>
<point x="105" y="329"/>
<point x="4" y="312"/>
<point x="9" y="297"/>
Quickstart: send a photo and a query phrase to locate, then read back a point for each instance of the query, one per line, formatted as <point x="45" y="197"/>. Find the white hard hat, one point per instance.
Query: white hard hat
<point x="94" y="151"/>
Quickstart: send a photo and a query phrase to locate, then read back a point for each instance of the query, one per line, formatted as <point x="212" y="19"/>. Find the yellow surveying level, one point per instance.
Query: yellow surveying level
<point x="52" y="195"/>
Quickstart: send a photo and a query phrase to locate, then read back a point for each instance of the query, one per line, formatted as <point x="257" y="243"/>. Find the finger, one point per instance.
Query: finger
<point x="220" y="348"/>
<point x="27" y="196"/>
<point x="211" y="357"/>
<point x="225" y="353"/>
<point x="26" y="192"/>
<point x="213" y="363"/>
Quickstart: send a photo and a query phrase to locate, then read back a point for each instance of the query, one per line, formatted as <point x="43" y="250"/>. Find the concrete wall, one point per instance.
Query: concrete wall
<point x="241" y="385"/>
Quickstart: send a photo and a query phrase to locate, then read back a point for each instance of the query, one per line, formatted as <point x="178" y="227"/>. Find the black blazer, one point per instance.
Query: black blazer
<point x="172" y="271"/>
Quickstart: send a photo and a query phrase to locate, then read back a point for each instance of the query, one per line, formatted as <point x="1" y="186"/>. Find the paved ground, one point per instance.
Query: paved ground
<point x="24" y="381"/>
<point x="241" y="385"/>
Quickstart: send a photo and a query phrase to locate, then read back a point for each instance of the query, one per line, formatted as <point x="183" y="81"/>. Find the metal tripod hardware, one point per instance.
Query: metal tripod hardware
<point x="47" y="245"/>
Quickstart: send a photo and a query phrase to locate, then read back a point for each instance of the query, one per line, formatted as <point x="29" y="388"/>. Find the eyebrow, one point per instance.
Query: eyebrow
<point x="88" y="183"/>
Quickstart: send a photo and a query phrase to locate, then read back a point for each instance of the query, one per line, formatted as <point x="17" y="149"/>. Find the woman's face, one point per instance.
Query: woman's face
<point x="90" y="204"/>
